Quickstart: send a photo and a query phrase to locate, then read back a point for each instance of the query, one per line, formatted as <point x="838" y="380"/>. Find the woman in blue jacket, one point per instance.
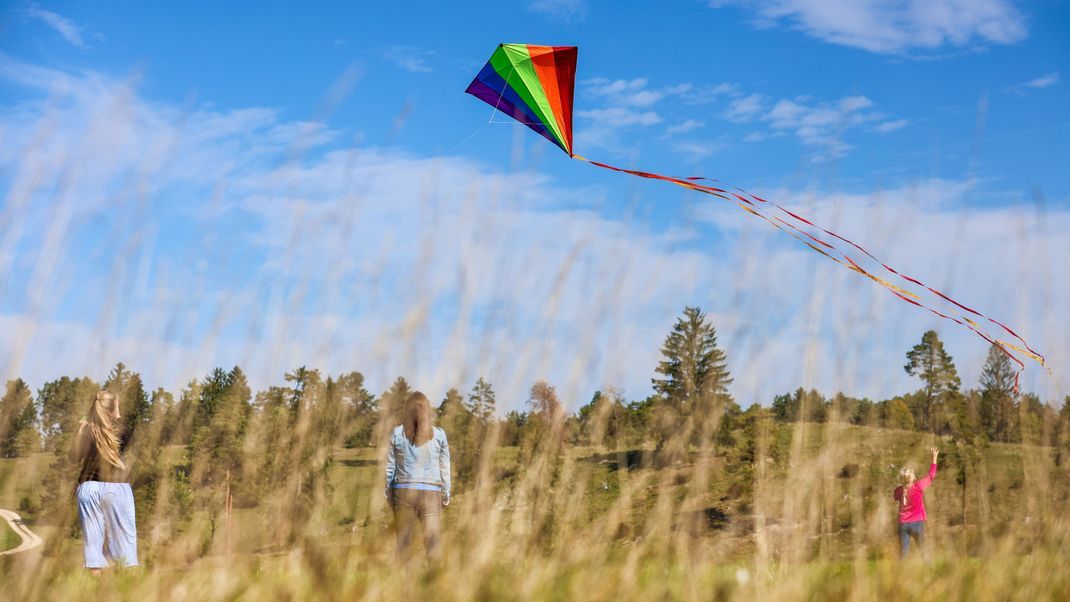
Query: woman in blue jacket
<point x="418" y="474"/>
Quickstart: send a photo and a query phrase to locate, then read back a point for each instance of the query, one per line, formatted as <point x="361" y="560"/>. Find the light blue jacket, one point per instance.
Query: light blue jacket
<point x="428" y="463"/>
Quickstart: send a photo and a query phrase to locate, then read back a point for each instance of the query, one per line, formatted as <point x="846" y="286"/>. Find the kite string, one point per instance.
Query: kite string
<point x="500" y="96"/>
<point x="751" y="207"/>
<point x="1031" y="352"/>
<point x="467" y="138"/>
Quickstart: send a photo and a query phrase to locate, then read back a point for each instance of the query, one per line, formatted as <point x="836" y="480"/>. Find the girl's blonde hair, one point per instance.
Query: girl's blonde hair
<point x="416" y="419"/>
<point x="104" y="429"/>
<point x="906" y="476"/>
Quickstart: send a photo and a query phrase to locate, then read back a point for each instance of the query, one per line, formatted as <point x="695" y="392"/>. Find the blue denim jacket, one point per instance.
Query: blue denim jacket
<point x="428" y="463"/>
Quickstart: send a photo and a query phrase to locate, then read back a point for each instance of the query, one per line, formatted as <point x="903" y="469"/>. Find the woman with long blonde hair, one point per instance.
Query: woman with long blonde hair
<point x="105" y="500"/>
<point x="418" y="474"/>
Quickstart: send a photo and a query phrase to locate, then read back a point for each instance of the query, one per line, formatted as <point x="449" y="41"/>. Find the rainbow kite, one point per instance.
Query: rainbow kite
<point x="534" y="85"/>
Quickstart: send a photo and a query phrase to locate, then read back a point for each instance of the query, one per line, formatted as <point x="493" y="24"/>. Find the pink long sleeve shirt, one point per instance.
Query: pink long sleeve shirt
<point x="912" y="506"/>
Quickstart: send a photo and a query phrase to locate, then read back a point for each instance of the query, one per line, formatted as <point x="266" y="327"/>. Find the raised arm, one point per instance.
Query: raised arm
<point x="79" y="443"/>
<point x="391" y="464"/>
<point x="444" y="468"/>
<point x="928" y="479"/>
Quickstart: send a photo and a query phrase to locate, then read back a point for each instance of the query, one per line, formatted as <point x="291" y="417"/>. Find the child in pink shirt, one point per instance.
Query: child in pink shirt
<point x="911" y="498"/>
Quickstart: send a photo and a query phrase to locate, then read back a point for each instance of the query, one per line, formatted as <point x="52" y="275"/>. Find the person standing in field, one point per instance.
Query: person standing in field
<point x="911" y="498"/>
<point x="418" y="475"/>
<point x="105" y="500"/>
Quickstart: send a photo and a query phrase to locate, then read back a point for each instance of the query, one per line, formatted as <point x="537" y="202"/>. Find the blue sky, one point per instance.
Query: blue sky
<point x="269" y="186"/>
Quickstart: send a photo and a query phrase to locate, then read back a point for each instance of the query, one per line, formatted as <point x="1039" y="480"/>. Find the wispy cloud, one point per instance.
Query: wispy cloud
<point x="891" y="126"/>
<point x="1037" y="83"/>
<point x="705" y="94"/>
<point x="338" y="260"/>
<point x="569" y="11"/>
<point x="744" y="109"/>
<point x="817" y="124"/>
<point x="821" y="125"/>
<point x="410" y="58"/>
<point x="893" y="27"/>
<point x="65" y="27"/>
<point x="626" y="104"/>
<point x="620" y="116"/>
<point x="697" y="150"/>
<point x="629" y="92"/>
<point x="1043" y="81"/>
<point x="683" y="127"/>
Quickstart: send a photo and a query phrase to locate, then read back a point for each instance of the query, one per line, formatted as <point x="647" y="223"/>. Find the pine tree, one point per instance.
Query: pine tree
<point x="219" y="426"/>
<point x="452" y="405"/>
<point x="353" y="394"/>
<point x="274" y="419"/>
<point x="694" y="369"/>
<point x="361" y="409"/>
<point x="61" y="403"/>
<point x="306" y="388"/>
<point x="694" y="387"/>
<point x="164" y="410"/>
<point x="180" y="424"/>
<point x="933" y="365"/>
<point x="481" y="401"/>
<point x="603" y="420"/>
<point x="461" y="429"/>
<point x="392" y="401"/>
<point x="998" y="407"/>
<point x="134" y="405"/>
<point x="786" y="408"/>
<point x="18" y="421"/>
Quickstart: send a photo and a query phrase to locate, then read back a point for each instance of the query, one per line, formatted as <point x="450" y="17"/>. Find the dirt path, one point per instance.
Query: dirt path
<point x="30" y="539"/>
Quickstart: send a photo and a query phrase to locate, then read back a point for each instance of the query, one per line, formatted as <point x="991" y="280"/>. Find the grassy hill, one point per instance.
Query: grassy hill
<point x="812" y="512"/>
<point x="8" y="538"/>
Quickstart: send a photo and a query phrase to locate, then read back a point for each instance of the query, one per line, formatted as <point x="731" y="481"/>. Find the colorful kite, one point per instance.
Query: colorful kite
<point x="534" y="85"/>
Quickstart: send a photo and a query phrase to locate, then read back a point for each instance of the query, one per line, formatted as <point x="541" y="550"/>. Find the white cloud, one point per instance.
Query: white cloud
<point x="179" y="239"/>
<point x="896" y="26"/>
<point x="891" y="126"/>
<point x="1043" y="81"/>
<point x="683" y="127"/>
<point x="632" y="92"/>
<point x="1037" y="83"/>
<point x="569" y="11"/>
<point x="1001" y="262"/>
<point x="744" y="109"/>
<point x="699" y="95"/>
<point x="409" y="58"/>
<point x="620" y="116"/>
<point x="698" y="150"/>
<point x="68" y="29"/>
<point x="820" y="125"/>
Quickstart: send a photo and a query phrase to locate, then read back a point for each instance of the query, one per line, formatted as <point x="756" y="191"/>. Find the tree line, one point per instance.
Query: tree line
<point x="238" y="446"/>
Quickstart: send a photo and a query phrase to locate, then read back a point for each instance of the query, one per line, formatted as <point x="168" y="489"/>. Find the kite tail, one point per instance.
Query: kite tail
<point x="810" y="234"/>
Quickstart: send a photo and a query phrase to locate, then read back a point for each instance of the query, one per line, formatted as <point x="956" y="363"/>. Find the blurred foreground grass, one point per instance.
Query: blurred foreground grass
<point x="812" y="520"/>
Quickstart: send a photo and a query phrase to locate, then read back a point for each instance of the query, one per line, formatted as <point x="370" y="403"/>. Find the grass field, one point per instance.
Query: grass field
<point x="813" y="518"/>
<point x="8" y="538"/>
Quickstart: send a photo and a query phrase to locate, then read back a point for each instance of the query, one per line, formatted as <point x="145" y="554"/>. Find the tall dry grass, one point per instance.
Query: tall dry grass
<point x="810" y="518"/>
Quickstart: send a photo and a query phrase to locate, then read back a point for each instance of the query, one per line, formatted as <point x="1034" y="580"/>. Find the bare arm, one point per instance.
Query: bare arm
<point x="444" y="468"/>
<point x="391" y="465"/>
<point x="928" y="479"/>
<point x="79" y="443"/>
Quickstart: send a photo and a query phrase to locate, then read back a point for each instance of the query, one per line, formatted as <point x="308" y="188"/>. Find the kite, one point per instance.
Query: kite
<point x="534" y="85"/>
